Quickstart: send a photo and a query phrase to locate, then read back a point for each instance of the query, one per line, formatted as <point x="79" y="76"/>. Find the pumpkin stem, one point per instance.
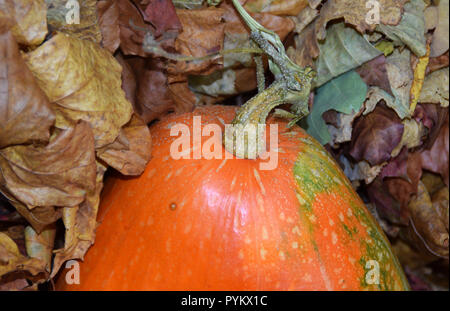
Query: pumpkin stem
<point x="292" y="85"/>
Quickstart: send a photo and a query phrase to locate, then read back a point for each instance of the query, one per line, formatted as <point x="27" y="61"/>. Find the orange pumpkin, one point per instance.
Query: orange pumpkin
<point x="227" y="225"/>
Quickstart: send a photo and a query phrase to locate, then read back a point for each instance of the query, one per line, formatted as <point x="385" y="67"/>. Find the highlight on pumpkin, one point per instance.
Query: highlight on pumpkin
<point x="224" y="145"/>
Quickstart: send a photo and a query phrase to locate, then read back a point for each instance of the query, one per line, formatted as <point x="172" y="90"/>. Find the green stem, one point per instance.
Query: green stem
<point x="245" y="138"/>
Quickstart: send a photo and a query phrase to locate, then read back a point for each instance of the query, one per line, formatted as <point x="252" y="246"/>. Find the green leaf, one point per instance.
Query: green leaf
<point x="411" y="29"/>
<point x="345" y="94"/>
<point x="343" y="49"/>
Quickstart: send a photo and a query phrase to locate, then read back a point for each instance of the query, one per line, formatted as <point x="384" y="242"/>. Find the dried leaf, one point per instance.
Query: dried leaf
<point x="411" y="29"/>
<point x="39" y="217"/>
<point x="436" y="158"/>
<point x="360" y="171"/>
<point x="357" y="13"/>
<point x="108" y="21"/>
<point x="152" y="96"/>
<point x="304" y="18"/>
<point x="80" y="223"/>
<point x="437" y="63"/>
<point x="40" y="245"/>
<point x="58" y="174"/>
<point x="374" y="73"/>
<point x="83" y="82"/>
<point x="131" y="151"/>
<point x="25" y="113"/>
<point x="29" y="25"/>
<point x="387" y="206"/>
<point x="203" y="33"/>
<point x="276" y="7"/>
<point x="400" y="75"/>
<point x="14" y="265"/>
<point x="376" y="135"/>
<point x="413" y="134"/>
<point x="440" y="43"/>
<point x="419" y="76"/>
<point x="87" y="26"/>
<point x="307" y="47"/>
<point x="345" y="93"/>
<point x="427" y="223"/>
<point x="432" y="117"/>
<point x="161" y="14"/>
<point x="435" y="88"/>
<point x="344" y="49"/>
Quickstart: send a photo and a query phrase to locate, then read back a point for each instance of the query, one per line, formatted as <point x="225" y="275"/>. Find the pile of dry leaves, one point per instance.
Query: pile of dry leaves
<point x="76" y="98"/>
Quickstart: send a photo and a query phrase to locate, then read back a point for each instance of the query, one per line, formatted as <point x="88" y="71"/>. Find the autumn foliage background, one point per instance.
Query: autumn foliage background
<point x="75" y="101"/>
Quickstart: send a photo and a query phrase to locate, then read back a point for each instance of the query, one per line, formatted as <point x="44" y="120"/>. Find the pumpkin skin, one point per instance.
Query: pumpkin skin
<point x="226" y="225"/>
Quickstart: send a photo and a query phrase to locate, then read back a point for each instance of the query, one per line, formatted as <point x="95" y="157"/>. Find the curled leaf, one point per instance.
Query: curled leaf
<point x="29" y="25"/>
<point x="435" y="88"/>
<point x="25" y="113"/>
<point x="131" y="151"/>
<point x="83" y="82"/>
<point x="376" y="135"/>
<point x="40" y="245"/>
<point x="428" y="223"/>
<point x="80" y="223"/>
<point x="58" y="174"/>
<point x="13" y="265"/>
<point x="359" y="13"/>
<point x="411" y="29"/>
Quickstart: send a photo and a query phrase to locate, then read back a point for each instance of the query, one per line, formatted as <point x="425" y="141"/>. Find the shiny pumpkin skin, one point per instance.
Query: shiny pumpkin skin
<point x="226" y="225"/>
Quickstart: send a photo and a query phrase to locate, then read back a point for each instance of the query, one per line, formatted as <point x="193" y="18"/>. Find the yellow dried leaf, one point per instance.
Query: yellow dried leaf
<point x="29" y="19"/>
<point x="12" y="261"/>
<point x="419" y="77"/>
<point x="87" y="26"/>
<point x="83" y="82"/>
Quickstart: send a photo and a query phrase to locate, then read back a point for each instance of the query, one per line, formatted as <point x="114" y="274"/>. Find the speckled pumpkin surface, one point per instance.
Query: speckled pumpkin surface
<point x="227" y="225"/>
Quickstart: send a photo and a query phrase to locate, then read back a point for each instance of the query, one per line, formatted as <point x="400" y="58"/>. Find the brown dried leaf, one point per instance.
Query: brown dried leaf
<point x="58" y="174"/>
<point x="356" y="13"/>
<point x="28" y="20"/>
<point x="181" y="94"/>
<point x="39" y="217"/>
<point x="307" y="47"/>
<point x="436" y="158"/>
<point x="161" y="14"/>
<point x="25" y="113"/>
<point x="83" y="82"/>
<point x="387" y="206"/>
<point x="87" y="28"/>
<point x="374" y="73"/>
<point x="427" y="222"/>
<point x="14" y="265"/>
<point x="432" y="117"/>
<point x="108" y="21"/>
<point x="131" y="151"/>
<point x="152" y="95"/>
<point x="80" y="223"/>
<point x="376" y="135"/>
<point x="203" y="33"/>
<point x="437" y="63"/>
